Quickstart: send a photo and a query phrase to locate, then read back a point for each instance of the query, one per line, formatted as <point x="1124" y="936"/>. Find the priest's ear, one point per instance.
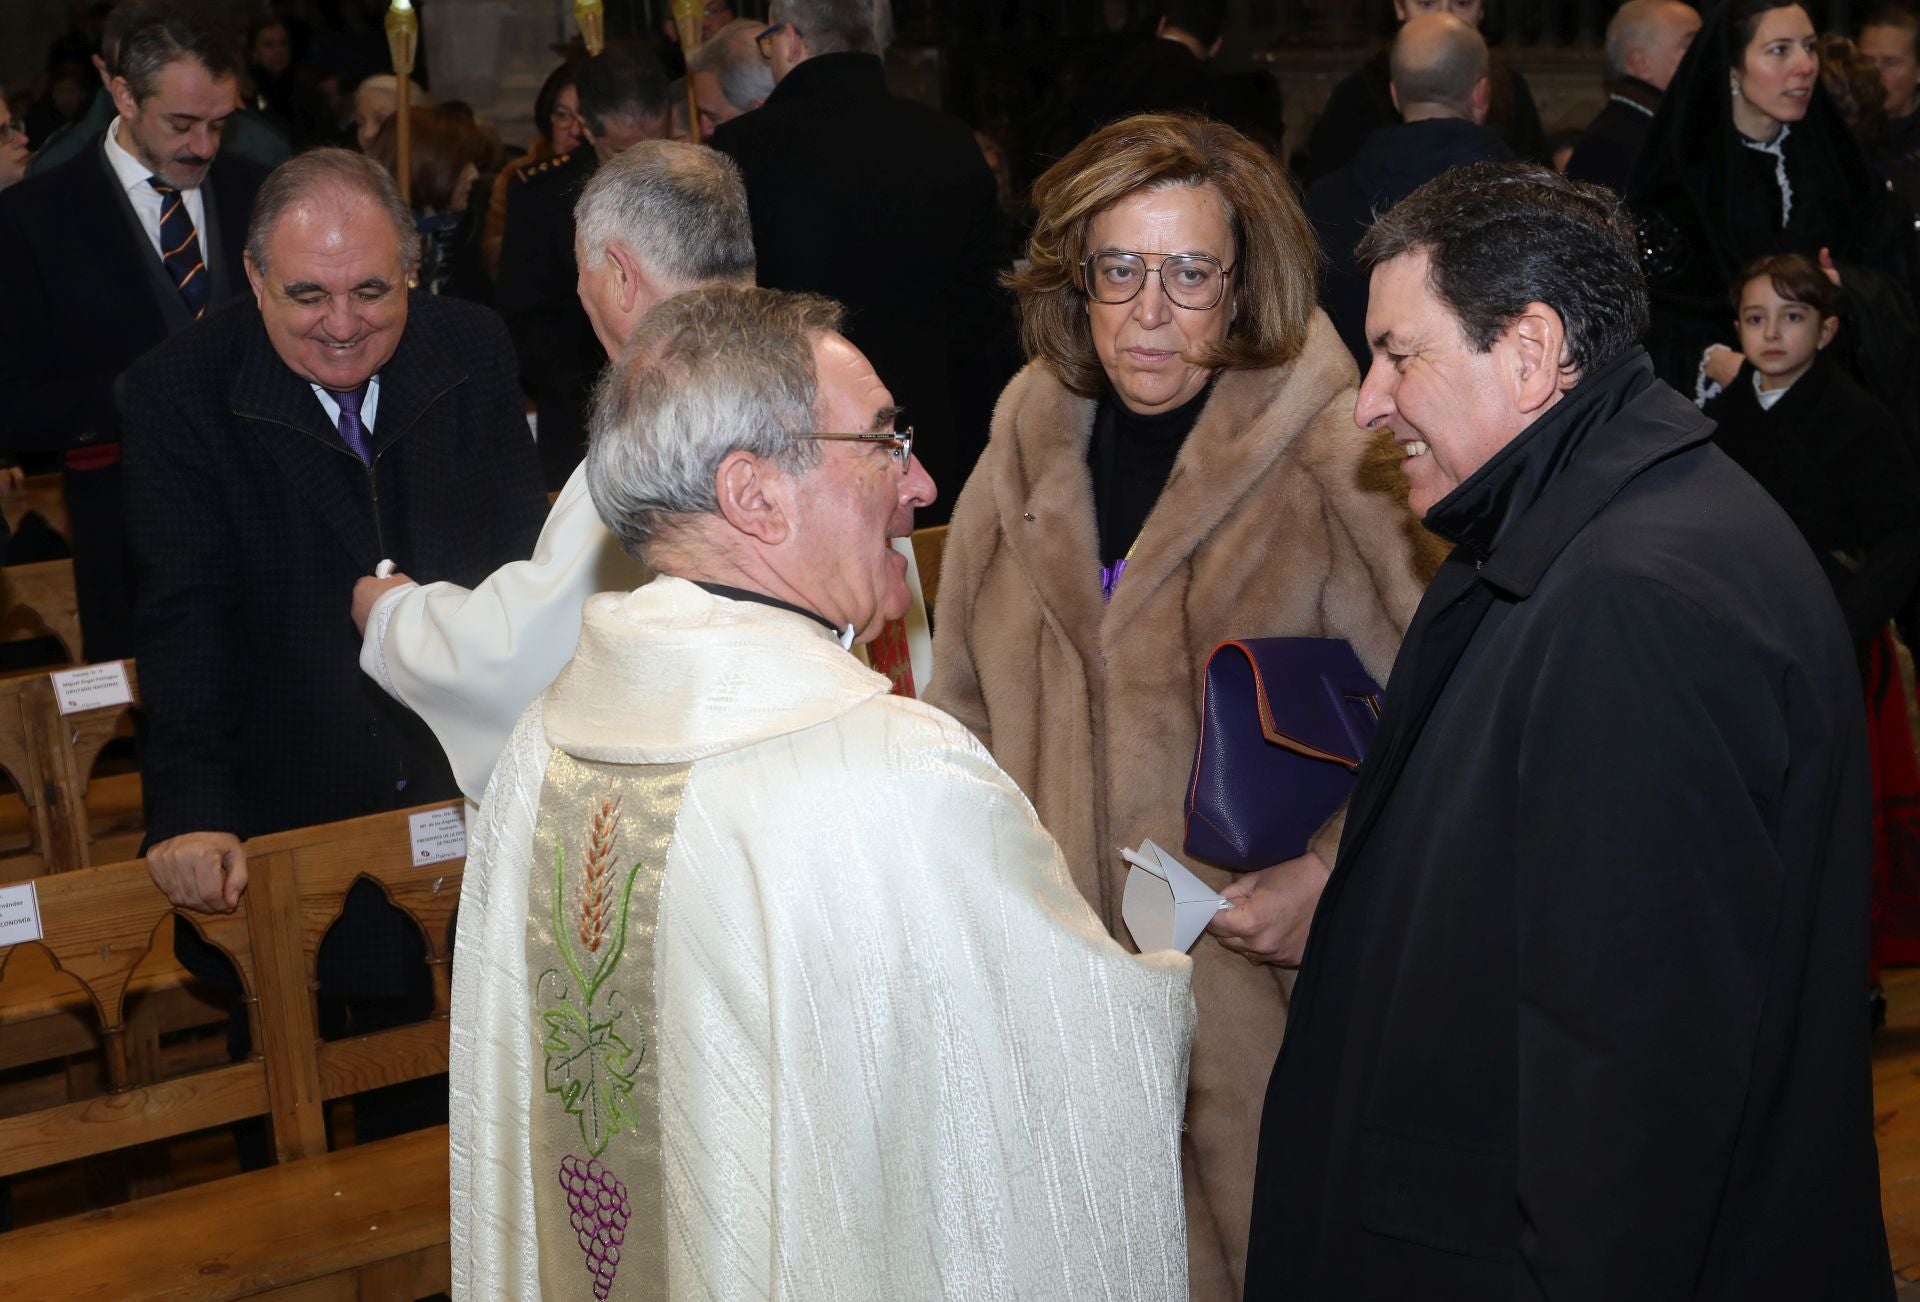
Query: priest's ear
<point x="754" y="497"/>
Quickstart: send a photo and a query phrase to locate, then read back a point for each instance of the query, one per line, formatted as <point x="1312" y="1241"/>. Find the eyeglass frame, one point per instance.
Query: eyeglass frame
<point x="766" y="34"/>
<point x="902" y="439"/>
<point x="9" y="129"/>
<point x="1086" y="277"/>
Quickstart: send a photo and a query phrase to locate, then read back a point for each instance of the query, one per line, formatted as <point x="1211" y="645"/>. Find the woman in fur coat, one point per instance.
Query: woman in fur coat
<point x="1176" y="466"/>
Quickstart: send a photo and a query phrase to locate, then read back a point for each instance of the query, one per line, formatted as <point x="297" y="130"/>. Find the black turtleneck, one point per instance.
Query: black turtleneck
<point x="1130" y="458"/>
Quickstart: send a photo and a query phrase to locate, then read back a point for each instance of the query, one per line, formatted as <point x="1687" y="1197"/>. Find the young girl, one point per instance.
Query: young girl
<point x="1827" y="450"/>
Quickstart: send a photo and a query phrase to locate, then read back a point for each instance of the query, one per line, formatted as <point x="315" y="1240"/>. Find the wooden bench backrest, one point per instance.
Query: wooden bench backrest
<point x="98" y="925"/>
<point x="309" y="873"/>
<point x="45" y="496"/>
<point x="49" y="756"/>
<point x="38" y="600"/>
<point x="929" y="549"/>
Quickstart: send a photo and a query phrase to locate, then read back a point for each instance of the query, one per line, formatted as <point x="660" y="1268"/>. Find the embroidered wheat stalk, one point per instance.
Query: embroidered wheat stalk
<point x="596" y="892"/>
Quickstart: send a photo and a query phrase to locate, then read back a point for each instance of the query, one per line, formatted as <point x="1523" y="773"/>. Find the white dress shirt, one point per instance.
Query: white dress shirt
<point x="147" y="201"/>
<point x="369" y="405"/>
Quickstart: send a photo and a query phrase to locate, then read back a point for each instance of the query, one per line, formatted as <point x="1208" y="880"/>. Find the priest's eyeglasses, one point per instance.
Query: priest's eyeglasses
<point x="1195" y="281"/>
<point x="901" y="439"/>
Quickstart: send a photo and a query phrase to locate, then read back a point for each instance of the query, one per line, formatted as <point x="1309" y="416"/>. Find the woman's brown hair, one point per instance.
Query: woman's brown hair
<point x="445" y="140"/>
<point x="1272" y="292"/>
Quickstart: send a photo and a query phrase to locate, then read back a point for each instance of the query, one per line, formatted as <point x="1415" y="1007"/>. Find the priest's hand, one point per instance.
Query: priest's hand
<point x="206" y="871"/>
<point x="1272" y="909"/>
<point x="367" y="592"/>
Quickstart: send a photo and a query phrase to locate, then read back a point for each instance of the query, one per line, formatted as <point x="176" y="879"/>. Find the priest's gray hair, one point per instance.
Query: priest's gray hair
<point x="714" y="371"/>
<point x="731" y="55"/>
<point x="339" y="176"/>
<point x="680" y="208"/>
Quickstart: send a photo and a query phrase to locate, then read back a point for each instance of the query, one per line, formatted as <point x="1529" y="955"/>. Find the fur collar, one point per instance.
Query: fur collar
<point x="1043" y="493"/>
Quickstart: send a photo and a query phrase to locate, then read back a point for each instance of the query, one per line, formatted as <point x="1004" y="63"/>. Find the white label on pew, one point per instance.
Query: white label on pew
<point x="438" y="835"/>
<point x="19" y="914"/>
<point x="93" y="687"/>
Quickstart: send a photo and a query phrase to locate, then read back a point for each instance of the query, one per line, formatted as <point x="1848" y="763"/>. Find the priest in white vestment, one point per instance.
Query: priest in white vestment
<point x="658" y="219"/>
<point x="769" y="984"/>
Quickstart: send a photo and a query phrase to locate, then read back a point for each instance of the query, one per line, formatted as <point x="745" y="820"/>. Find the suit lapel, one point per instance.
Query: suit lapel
<point x="420" y="373"/>
<point x="126" y="236"/>
<point x="1449" y="615"/>
<point x="283" y="414"/>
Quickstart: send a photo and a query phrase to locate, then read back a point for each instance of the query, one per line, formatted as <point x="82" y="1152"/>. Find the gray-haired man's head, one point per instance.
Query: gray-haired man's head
<point x="661" y="218"/>
<point x="1646" y="39"/>
<point x="740" y="439"/>
<point x="729" y="75"/>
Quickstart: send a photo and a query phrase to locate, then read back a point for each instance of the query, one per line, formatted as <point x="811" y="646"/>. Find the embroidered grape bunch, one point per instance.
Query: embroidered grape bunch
<point x="598" y="1201"/>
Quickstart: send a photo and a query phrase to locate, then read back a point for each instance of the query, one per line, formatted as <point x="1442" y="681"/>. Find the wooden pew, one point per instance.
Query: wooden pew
<point x="42" y="495"/>
<point x="66" y="818"/>
<point x="369" y="1221"/>
<point x="38" y="600"/>
<point x="929" y="549"/>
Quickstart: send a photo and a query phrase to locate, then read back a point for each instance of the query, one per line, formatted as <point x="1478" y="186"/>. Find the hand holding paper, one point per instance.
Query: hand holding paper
<point x="1165" y="906"/>
<point x="1269" y="911"/>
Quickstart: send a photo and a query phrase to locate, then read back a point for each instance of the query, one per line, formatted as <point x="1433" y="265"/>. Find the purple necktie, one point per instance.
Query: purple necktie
<point x="352" y="432"/>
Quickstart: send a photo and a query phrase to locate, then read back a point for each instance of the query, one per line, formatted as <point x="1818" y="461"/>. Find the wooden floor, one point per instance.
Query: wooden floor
<point x="1896" y="1118"/>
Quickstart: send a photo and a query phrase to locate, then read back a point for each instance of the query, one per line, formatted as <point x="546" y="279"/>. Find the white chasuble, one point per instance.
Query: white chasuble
<point x="769" y="985"/>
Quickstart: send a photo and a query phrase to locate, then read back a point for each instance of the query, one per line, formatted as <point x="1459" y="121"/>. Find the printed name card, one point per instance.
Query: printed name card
<point x="93" y="687"/>
<point x="438" y="835"/>
<point x="19" y="914"/>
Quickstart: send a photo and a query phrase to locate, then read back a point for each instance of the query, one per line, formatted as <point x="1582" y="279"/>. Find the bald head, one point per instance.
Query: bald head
<point x="1439" y="69"/>
<point x="1647" y="39"/>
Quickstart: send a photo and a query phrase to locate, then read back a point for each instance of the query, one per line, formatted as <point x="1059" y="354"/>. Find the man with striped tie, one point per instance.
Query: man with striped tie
<point x="130" y="241"/>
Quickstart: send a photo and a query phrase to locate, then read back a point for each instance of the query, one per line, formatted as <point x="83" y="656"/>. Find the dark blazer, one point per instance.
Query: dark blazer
<point x="1362" y="102"/>
<point x="250" y="521"/>
<point x="887" y="206"/>
<point x="1395" y="161"/>
<point x="85" y="294"/>
<point x="537" y="292"/>
<point x="1582" y="1011"/>
<point x="1615" y="137"/>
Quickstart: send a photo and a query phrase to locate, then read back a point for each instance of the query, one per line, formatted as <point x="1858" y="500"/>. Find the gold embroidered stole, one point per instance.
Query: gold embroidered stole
<point x="595" y="1128"/>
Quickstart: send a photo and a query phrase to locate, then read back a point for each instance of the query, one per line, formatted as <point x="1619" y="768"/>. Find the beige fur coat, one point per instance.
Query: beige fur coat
<point x="1280" y="519"/>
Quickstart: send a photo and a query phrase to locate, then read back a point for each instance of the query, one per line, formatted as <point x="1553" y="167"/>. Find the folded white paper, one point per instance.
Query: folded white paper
<point x="1165" y="906"/>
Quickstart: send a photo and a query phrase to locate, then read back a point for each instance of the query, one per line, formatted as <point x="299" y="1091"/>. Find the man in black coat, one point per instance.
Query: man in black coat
<point x="84" y="289"/>
<point x="1646" y="40"/>
<point x="887" y="206"/>
<point x="1582" y="1011"/>
<point x="275" y="454"/>
<point x="623" y="100"/>
<point x="1361" y="104"/>
<point x="1440" y="87"/>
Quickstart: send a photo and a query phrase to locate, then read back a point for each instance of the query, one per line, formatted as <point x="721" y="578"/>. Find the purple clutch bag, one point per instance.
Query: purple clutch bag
<point x="1284" y="724"/>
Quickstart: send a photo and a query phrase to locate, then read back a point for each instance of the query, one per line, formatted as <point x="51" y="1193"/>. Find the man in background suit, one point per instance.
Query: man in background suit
<point x="1646" y="40"/>
<point x="887" y="206"/>
<point x="107" y="255"/>
<point x="274" y="454"/>
<point x="623" y="100"/>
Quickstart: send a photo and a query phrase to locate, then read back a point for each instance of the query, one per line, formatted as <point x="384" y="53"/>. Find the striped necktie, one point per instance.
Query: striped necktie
<point x="180" y="247"/>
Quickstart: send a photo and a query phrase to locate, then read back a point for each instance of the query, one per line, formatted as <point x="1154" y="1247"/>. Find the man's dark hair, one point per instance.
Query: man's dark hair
<point x="121" y="19"/>
<point x="1200" y="19"/>
<point x="1499" y="236"/>
<point x="167" y="36"/>
<point x="622" y="81"/>
<point x="1901" y="16"/>
<point x="833" y="26"/>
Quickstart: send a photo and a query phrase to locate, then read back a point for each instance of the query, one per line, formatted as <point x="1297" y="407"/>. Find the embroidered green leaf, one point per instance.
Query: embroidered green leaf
<point x="589" y="1065"/>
